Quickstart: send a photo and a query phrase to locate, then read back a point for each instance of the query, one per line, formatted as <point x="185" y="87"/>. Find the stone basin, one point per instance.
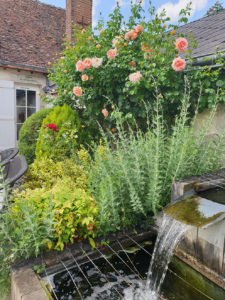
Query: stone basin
<point x="196" y="211"/>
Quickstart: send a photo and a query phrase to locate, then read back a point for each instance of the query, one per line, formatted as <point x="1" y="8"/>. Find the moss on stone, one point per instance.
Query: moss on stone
<point x="187" y="212"/>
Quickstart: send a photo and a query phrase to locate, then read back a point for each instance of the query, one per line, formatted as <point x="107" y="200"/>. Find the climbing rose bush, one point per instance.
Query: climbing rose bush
<point x="120" y="64"/>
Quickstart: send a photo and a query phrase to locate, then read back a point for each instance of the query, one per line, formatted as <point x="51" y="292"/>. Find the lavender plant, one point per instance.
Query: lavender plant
<point x="133" y="171"/>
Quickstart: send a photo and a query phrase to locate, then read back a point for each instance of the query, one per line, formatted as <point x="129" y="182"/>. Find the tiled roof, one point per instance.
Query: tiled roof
<point x="31" y="32"/>
<point x="209" y="33"/>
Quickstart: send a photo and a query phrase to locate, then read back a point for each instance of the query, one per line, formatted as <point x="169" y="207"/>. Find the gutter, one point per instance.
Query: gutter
<point x="206" y="60"/>
<point x="12" y="65"/>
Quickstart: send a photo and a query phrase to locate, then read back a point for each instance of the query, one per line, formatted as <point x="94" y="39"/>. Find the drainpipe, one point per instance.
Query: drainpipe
<point x="47" y="84"/>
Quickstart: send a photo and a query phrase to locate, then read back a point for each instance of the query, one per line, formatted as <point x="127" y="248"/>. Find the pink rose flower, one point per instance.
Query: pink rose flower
<point x="139" y="28"/>
<point x="84" y="77"/>
<point x="96" y="62"/>
<point x="87" y="63"/>
<point x="105" y="112"/>
<point x="134" y="77"/>
<point x="116" y="41"/>
<point x="128" y="36"/>
<point x="112" y="53"/>
<point x="80" y="66"/>
<point x="77" y="91"/>
<point x="133" y="34"/>
<point x="178" y="64"/>
<point x="181" y="44"/>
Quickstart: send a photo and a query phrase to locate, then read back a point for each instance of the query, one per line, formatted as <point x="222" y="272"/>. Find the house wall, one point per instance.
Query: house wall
<point x="37" y="80"/>
<point x="218" y="122"/>
<point x="11" y="79"/>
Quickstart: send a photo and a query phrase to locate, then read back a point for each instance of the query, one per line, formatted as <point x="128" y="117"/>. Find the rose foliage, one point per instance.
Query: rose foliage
<point x="121" y="65"/>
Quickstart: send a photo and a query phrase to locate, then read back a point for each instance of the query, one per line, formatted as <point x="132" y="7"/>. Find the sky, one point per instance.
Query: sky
<point x="199" y="7"/>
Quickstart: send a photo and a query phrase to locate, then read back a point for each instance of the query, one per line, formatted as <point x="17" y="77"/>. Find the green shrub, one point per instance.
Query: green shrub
<point x="29" y="132"/>
<point x="45" y="173"/>
<point x="132" y="179"/>
<point x="53" y="209"/>
<point x="26" y="227"/>
<point x="64" y="138"/>
<point x="73" y="212"/>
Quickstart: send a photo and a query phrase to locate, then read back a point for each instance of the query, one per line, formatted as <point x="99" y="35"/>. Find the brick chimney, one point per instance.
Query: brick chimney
<point x="78" y="12"/>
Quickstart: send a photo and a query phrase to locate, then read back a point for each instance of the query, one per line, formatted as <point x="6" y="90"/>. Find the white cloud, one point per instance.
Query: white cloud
<point x="96" y="3"/>
<point x="122" y="3"/>
<point x="173" y="9"/>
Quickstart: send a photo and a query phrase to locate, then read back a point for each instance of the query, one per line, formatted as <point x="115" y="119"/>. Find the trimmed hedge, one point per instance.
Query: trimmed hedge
<point x="29" y="132"/>
<point x="64" y="139"/>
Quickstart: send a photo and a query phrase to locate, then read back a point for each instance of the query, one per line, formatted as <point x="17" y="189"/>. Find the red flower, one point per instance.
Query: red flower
<point x="52" y="126"/>
<point x="132" y="63"/>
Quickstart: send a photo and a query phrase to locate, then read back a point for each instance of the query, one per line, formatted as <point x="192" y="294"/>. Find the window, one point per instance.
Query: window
<point x="25" y="106"/>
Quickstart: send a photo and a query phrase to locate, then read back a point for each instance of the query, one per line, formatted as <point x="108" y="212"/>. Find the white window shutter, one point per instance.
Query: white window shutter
<point x="7" y="115"/>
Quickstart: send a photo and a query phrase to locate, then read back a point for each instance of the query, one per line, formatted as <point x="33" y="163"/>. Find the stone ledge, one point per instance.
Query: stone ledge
<point x="26" y="286"/>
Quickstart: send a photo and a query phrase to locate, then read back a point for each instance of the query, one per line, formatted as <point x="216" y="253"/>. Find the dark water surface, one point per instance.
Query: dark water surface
<point x="216" y="195"/>
<point x="185" y="284"/>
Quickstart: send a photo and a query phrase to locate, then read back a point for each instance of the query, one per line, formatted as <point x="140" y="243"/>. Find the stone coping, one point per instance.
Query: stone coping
<point x="25" y="285"/>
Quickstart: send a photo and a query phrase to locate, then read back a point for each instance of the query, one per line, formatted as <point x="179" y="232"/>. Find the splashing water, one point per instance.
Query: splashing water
<point x="170" y="234"/>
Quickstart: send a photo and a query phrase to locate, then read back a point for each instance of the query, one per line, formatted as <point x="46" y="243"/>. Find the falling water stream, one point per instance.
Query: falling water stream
<point x="170" y="234"/>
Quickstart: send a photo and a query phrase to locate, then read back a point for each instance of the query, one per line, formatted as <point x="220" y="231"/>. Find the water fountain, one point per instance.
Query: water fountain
<point x="191" y="209"/>
<point x="117" y="271"/>
<point x="169" y="235"/>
